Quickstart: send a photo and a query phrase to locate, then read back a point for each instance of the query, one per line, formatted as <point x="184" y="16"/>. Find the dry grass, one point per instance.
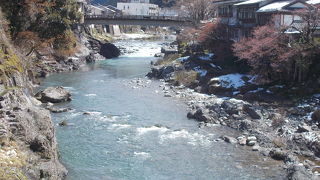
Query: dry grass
<point x="185" y="77"/>
<point x="11" y="162"/>
<point x="279" y="142"/>
<point x="9" y="62"/>
<point x="167" y="59"/>
<point x="66" y="44"/>
<point x="278" y="119"/>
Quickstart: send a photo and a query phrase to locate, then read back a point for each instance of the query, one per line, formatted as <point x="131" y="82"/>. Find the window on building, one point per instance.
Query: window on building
<point x="225" y="10"/>
<point x="246" y="13"/>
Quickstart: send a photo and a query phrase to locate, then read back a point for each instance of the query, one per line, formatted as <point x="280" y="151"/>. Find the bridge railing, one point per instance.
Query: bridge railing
<point x="138" y="17"/>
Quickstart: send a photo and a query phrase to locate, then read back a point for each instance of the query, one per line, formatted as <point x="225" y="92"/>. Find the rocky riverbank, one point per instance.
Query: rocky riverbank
<point x="28" y="147"/>
<point x="88" y="50"/>
<point x="289" y="133"/>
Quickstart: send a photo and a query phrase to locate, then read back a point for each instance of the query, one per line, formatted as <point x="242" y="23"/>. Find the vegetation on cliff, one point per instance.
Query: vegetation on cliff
<point x="42" y="23"/>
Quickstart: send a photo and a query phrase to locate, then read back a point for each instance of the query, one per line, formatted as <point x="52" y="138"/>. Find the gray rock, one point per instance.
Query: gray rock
<point x="242" y="141"/>
<point x="229" y="139"/>
<point x="250" y="111"/>
<point x="166" y="72"/>
<point x="278" y="154"/>
<point x="299" y="172"/>
<point x="251" y="138"/>
<point x="251" y="143"/>
<point x="58" y="110"/>
<point x="190" y="114"/>
<point x="109" y="50"/>
<point x="159" y="55"/>
<point x="229" y="108"/>
<point x="256" y="148"/>
<point x="303" y="128"/>
<point x="54" y="95"/>
<point x="63" y="123"/>
<point x="315" y="116"/>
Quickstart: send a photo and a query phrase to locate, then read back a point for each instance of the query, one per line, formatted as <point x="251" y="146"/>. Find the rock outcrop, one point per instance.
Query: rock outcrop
<point x="101" y="49"/>
<point x="109" y="50"/>
<point x="54" y="95"/>
<point x="27" y="129"/>
<point x="27" y="137"/>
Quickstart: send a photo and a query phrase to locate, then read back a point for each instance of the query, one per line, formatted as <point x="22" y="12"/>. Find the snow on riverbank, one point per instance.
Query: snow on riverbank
<point x="232" y="80"/>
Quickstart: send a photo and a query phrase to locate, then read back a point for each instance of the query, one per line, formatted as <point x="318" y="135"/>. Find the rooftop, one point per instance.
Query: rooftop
<point x="249" y="2"/>
<point x="313" y="2"/>
<point x="226" y="2"/>
<point x="275" y="6"/>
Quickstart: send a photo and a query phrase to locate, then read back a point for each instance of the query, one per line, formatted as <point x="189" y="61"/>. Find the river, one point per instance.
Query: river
<point x="134" y="132"/>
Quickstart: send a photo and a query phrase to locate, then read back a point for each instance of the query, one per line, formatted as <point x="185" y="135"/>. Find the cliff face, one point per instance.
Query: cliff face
<point x="28" y="148"/>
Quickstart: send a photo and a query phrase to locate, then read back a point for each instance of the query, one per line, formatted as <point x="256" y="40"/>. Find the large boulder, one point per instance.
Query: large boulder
<point x="54" y="95"/>
<point x="109" y="50"/>
<point x="164" y="72"/>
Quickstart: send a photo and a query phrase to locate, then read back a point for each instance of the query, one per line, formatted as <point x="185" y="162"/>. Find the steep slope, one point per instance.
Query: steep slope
<point x="28" y="148"/>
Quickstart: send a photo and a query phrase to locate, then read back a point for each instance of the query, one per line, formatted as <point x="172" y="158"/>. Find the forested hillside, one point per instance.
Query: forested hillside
<point x="40" y="23"/>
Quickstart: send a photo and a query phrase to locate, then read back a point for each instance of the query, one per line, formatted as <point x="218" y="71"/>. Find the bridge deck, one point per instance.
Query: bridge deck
<point x="138" y="20"/>
<point x="137" y="17"/>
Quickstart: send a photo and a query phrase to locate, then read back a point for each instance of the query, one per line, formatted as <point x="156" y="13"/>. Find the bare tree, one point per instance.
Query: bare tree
<point x="308" y="24"/>
<point x="196" y="9"/>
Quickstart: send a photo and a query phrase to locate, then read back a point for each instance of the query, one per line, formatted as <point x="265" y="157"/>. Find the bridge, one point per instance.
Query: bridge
<point x="163" y="21"/>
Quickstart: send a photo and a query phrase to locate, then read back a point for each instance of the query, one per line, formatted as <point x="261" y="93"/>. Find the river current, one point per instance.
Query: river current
<point x="134" y="132"/>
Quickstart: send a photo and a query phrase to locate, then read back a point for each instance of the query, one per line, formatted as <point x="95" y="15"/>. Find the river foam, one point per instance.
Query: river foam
<point x="144" y="130"/>
<point x="119" y="126"/>
<point x="142" y="155"/>
<point x="90" y="95"/>
<point x="191" y="138"/>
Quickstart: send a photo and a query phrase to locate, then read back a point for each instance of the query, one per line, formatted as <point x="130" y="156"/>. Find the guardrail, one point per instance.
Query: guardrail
<point x="138" y="17"/>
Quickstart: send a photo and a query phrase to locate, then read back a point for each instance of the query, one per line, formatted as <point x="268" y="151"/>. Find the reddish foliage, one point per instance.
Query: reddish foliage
<point x="263" y="52"/>
<point x="213" y="32"/>
<point x="213" y="36"/>
<point x="276" y="56"/>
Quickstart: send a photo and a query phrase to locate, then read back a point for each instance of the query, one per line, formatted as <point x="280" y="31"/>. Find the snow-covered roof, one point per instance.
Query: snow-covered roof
<point x="276" y="6"/>
<point x="313" y="2"/>
<point x="249" y="2"/>
<point x="226" y="2"/>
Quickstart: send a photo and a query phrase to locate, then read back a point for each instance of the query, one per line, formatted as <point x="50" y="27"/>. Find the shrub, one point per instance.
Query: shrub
<point x="9" y="62"/>
<point x="65" y="44"/>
